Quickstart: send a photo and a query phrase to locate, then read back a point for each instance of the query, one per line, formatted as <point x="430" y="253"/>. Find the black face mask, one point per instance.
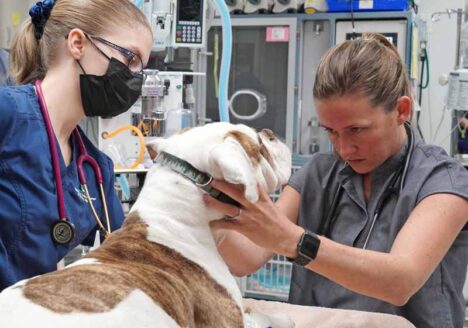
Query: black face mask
<point x="112" y="93"/>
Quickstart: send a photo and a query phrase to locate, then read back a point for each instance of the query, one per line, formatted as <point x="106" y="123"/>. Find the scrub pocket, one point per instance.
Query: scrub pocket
<point x="12" y="209"/>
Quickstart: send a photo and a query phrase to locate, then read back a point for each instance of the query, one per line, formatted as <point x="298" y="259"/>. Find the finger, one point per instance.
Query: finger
<point x="236" y="192"/>
<point x="262" y="193"/>
<point x="226" y="209"/>
<point x="224" y="224"/>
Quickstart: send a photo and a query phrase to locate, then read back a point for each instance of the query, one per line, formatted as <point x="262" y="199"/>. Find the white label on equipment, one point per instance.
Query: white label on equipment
<point x="152" y="91"/>
<point x="366" y="4"/>
<point x="463" y="95"/>
<point x="278" y="33"/>
<point x="453" y="91"/>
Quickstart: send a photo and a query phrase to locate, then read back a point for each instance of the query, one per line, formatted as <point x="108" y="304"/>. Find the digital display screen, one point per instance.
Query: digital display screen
<point x="190" y="10"/>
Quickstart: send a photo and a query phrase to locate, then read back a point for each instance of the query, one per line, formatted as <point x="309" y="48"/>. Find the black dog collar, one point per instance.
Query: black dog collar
<point x="199" y="178"/>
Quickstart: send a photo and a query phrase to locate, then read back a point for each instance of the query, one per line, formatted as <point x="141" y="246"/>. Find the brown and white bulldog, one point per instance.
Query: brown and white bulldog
<point x="162" y="268"/>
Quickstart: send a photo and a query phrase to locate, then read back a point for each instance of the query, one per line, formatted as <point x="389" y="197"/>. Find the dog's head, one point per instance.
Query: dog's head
<point x="235" y="153"/>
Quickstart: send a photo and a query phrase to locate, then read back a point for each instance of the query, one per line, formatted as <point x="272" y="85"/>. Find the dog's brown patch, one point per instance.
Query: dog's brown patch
<point x="153" y="153"/>
<point x="263" y="149"/>
<point x="266" y="154"/>
<point x="250" y="146"/>
<point x="269" y="134"/>
<point x="128" y="261"/>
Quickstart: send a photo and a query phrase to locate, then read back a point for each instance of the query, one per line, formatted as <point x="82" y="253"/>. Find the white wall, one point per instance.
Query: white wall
<point x="441" y="51"/>
<point x="12" y="13"/>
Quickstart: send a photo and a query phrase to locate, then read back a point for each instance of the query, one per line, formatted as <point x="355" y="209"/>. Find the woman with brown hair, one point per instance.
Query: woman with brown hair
<point x="73" y="59"/>
<point x="377" y="225"/>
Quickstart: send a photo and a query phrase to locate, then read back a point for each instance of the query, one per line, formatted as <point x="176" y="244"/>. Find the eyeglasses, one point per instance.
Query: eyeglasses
<point x="134" y="61"/>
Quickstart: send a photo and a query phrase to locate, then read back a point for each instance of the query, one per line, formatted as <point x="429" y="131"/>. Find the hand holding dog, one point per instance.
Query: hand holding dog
<point x="262" y="222"/>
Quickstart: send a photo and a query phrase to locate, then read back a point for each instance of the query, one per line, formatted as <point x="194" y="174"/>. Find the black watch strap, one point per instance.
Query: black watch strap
<point x="307" y="248"/>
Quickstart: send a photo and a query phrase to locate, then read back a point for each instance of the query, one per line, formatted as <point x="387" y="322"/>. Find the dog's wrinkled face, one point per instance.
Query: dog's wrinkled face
<point x="235" y="153"/>
<point x="275" y="151"/>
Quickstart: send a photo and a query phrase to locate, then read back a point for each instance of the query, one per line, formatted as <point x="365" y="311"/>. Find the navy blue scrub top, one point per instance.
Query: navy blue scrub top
<point x="28" y="199"/>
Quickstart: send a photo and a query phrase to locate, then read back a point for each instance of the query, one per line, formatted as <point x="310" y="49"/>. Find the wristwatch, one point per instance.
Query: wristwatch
<point x="307" y="248"/>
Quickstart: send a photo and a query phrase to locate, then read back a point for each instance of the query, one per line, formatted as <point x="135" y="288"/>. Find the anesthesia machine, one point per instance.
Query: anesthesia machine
<point x="167" y="100"/>
<point x="457" y="94"/>
<point x="457" y="104"/>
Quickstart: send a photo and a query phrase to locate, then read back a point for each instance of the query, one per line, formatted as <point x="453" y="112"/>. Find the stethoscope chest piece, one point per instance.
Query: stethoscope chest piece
<point x="62" y="232"/>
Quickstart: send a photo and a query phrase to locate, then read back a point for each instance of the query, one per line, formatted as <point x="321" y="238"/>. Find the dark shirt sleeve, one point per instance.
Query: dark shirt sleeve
<point x="447" y="177"/>
<point x="297" y="179"/>
<point x="318" y="164"/>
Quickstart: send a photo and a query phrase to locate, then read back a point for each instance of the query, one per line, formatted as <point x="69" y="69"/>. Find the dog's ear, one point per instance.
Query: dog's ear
<point x="155" y="146"/>
<point x="270" y="182"/>
<point x="230" y="161"/>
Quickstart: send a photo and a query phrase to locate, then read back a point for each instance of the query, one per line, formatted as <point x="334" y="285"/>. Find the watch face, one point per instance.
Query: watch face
<point x="309" y="245"/>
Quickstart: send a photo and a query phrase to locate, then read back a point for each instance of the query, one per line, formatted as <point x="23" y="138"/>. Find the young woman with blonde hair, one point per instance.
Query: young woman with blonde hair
<point x="72" y="59"/>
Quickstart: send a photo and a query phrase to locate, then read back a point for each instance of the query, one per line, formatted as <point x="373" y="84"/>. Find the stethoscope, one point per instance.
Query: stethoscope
<point x="63" y="231"/>
<point x="326" y="226"/>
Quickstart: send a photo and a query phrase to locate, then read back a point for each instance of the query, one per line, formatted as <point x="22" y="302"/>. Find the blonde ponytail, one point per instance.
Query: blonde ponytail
<point x="25" y="61"/>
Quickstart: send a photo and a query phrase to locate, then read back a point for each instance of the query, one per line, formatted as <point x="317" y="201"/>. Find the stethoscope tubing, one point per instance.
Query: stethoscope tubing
<point x="83" y="158"/>
<point x="55" y="162"/>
